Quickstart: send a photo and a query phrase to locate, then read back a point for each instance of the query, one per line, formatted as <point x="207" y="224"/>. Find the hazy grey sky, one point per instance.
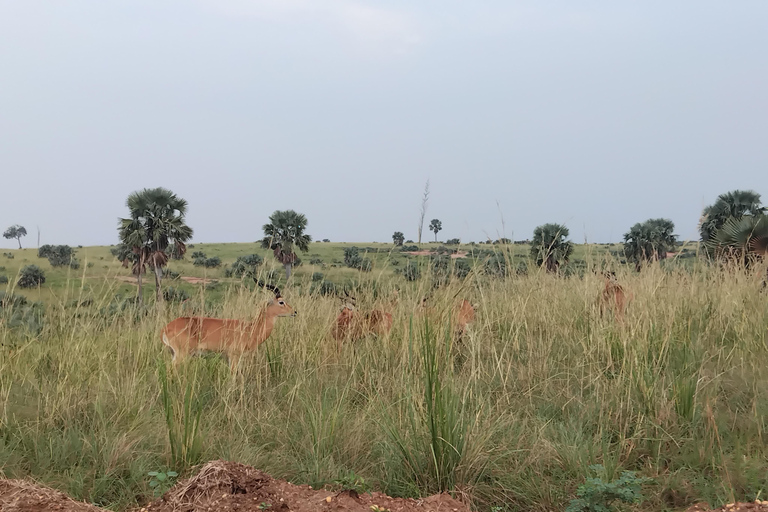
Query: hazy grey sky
<point x="594" y="114"/>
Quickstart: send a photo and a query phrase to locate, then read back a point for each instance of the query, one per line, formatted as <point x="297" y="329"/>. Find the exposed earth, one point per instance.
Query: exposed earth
<point x="229" y="486"/>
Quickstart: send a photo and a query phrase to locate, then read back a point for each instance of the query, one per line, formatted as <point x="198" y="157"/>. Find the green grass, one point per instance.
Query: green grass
<point x="540" y="388"/>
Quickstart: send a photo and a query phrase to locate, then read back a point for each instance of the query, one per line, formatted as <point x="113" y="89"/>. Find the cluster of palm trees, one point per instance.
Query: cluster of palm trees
<point x="156" y="231"/>
<point x="734" y="227"/>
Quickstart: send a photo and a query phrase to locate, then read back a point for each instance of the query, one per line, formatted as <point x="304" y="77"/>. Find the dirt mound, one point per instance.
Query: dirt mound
<point x="21" y="496"/>
<point x="226" y="486"/>
<point x="756" y="506"/>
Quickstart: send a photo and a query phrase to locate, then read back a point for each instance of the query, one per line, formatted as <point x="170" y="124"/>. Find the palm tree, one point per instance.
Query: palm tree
<point x="398" y="238"/>
<point x="741" y="239"/>
<point x="286" y="229"/>
<point x="550" y="247"/>
<point x="435" y="225"/>
<point x="156" y="222"/>
<point x="649" y="241"/>
<point x="736" y="204"/>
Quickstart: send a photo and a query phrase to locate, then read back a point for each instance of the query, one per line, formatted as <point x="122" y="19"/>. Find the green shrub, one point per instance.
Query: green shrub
<point x="597" y="495"/>
<point x="317" y="276"/>
<point x="31" y="276"/>
<point x="171" y="294"/>
<point x="315" y="261"/>
<point x="411" y="271"/>
<point x="496" y="265"/>
<point x="59" y="255"/>
<point x="3" y="279"/>
<point x="245" y="266"/>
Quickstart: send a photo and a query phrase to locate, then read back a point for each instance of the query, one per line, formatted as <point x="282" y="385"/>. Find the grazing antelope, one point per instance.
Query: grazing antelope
<point x="353" y="324"/>
<point x="187" y="335"/>
<point x="614" y="296"/>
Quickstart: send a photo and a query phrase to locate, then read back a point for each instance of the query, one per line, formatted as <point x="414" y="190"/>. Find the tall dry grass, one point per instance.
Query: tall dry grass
<point x="539" y="389"/>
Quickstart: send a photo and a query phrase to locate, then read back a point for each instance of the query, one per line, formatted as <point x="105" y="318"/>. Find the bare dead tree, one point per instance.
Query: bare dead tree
<point x="424" y="200"/>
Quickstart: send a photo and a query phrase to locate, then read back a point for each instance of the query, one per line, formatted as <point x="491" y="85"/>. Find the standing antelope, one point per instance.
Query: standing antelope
<point x="614" y="296"/>
<point x="187" y="335"/>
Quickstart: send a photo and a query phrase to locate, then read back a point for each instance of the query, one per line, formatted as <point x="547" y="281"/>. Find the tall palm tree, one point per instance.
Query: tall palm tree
<point x="550" y="246"/>
<point x="649" y="241"/>
<point x="736" y="204"/>
<point x="284" y="231"/>
<point x="156" y="222"/>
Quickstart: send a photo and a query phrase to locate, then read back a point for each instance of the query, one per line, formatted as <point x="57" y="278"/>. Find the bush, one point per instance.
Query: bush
<point x="8" y="255"/>
<point x="597" y="495"/>
<point x="412" y="272"/>
<point x="409" y="248"/>
<point x="245" y="266"/>
<point x="213" y="262"/>
<point x="353" y="259"/>
<point x="171" y="294"/>
<point x="31" y="276"/>
<point x="317" y="276"/>
<point x="496" y="266"/>
<point x="315" y="261"/>
<point x="461" y="268"/>
<point x="323" y="288"/>
<point x="59" y="255"/>
<point x="452" y="241"/>
<point x="3" y="279"/>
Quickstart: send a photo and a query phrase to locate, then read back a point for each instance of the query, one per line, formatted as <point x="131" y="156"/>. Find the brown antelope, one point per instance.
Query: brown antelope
<point x="614" y="297"/>
<point x="352" y="324"/>
<point x="188" y="335"/>
<point x="463" y="315"/>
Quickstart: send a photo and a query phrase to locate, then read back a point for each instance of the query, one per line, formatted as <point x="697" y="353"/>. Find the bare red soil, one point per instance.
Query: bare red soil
<point x="229" y="486"/>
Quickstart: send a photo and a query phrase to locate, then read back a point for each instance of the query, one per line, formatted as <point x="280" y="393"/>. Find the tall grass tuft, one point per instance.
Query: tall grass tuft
<point x="183" y="408"/>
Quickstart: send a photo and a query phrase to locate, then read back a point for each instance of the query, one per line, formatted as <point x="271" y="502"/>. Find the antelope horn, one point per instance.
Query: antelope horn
<point x="273" y="288"/>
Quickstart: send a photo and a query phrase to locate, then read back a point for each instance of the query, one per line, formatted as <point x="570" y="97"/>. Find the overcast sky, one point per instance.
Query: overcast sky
<point x="592" y="114"/>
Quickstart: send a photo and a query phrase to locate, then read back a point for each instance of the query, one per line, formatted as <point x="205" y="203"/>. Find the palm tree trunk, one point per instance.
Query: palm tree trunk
<point x="435" y="236"/>
<point x="158" y="279"/>
<point x="288" y="267"/>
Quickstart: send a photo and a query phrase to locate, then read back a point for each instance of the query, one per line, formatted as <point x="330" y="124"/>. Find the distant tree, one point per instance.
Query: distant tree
<point x="31" y="276"/>
<point x="649" y="241"/>
<point x="435" y="226"/>
<point x="326" y="240"/>
<point x="398" y="238"/>
<point x="156" y="220"/>
<point x="550" y="246"/>
<point x="284" y="231"/>
<point x="503" y="241"/>
<point x="16" y="232"/>
<point x="735" y="204"/>
<point x="453" y="241"/>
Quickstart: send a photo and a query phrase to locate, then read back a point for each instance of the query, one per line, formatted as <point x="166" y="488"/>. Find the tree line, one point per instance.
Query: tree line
<point x="733" y="228"/>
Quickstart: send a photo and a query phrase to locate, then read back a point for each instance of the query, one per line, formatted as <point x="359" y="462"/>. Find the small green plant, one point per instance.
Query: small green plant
<point x="597" y="495"/>
<point x="161" y="481"/>
<point x="353" y="482"/>
<point x="377" y="508"/>
<point x="264" y="505"/>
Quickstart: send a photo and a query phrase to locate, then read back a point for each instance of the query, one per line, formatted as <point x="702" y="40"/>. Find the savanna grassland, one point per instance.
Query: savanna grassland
<point x="540" y="388"/>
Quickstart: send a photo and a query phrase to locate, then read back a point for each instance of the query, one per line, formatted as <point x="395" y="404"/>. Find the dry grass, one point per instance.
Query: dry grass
<point x="539" y="388"/>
